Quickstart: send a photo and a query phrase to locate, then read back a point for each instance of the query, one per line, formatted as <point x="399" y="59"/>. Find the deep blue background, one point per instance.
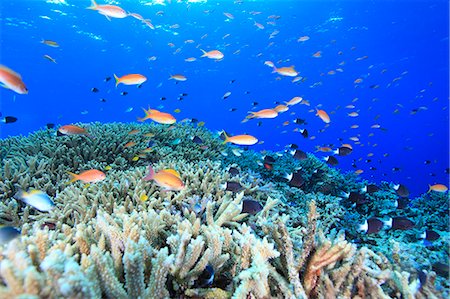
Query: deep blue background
<point x="409" y="37"/>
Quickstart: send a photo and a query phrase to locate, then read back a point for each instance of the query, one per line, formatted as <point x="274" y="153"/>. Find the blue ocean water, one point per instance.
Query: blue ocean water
<point x="398" y="49"/>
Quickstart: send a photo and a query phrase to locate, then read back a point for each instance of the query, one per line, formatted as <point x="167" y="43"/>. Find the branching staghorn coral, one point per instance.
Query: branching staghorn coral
<point x="107" y="240"/>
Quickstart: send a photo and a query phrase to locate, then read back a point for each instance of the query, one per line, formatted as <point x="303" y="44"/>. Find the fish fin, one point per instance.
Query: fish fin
<point x="109" y="19"/>
<point x="150" y="175"/>
<point x="117" y="80"/>
<point x="4" y="86"/>
<point x="204" y="53"/>
<point x="73" y="177"/>
<point x="173" y="171"/>
<point x="93" y="5"/>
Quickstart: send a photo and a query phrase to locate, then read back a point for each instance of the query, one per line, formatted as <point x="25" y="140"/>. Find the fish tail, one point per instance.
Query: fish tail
<point x="93" y="5"/>
<point x="204" y="53"/>
<point x="429" y="188"/>
<point x="151" y="173"/>
<point x="227" y="138"/>
<point x="117" y="80"/>
<point x="274" y="70"/>
<point x="73" y="177"/>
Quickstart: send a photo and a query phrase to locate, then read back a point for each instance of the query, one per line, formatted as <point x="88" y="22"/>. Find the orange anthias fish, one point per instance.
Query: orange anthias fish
<point x="214" y="54"/>
<point x="72" y="130"/>
<point x="158" y="116"/>
<point x="131" y="79"/>
<point x="437" y="188"/>
<point x="240" y="139"/>
<point x="265" y="113"/>
<point x="109" y="11"/>
<point x="286" y="71"/>
<point x="87" y="176"/>
<point x="323" y="116"/>
<point x="294" y="100"/>
<point x="178" y="77"/>
<point x="169" y="179"/>
<point x="12" y="80"/>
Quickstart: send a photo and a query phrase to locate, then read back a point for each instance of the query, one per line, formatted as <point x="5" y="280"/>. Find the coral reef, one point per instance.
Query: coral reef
<point x="125" y="237"/>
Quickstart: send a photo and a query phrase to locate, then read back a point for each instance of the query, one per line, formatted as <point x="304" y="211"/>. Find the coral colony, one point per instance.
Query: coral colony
<point x="210" y="221"/>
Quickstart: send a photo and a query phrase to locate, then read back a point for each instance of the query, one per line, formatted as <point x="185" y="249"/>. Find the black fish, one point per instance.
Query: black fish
<point x="371" y="188"/>
<point x="259" y="124"/>
<point x="183" y="94"/>
<point x="163" y="98"/>
<point x="123" y="93"/>
<point x="299" y="121"/>
<point x="232" y="81"/>
<point x="9" y="119"/>
<point x="251" y="206"/>
<point x="402" y="203"/>
<point x="396" y="168"/>
<point x="427" y="162"/>
<point x="331" y="160"/>
<point x="255" y="103"/>
<point x="372" y="226"/>
<point x="399" y="223"/>
<point x="194" y="120"/>
<point x="233" y="171"/>
<point x="197" y="140"/>
<point x="401" y="190"/>
<point x="299" y="155"/>
<point x="94" y="89"/>
<point x="430" y="235"/>
<point x="269" y="159"/>
<point x="232" y="109"/>
<point x="293" y="146"/>
<point x="441" y="269"/>
<point x="295" y="179"/>
<point x="247" y="92"/>
<point x="180" y="98"/>
<point x="304" y="133"/>
<point x="50" y="126"/>
<point x="234" y="187"/>
<point x="355" y="197"/>
<point x="107" y="79"/>
<point x="102" y="100"/>
<point x="343" y="151"/>
<point x="206" y="278"/>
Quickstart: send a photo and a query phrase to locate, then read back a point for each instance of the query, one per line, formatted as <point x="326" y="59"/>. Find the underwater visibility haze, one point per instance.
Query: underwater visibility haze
<point x="224" y="149"/>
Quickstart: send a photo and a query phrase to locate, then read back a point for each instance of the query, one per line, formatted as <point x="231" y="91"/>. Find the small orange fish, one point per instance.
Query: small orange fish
<point x="265" y="113"/>
<point x="228" y="15"/>
<point x="72" y="130"/>
<point x="294" y="100"/>
<point x="323" y="116"/>
<point x="281" y="108"/>
<point x="353" y="114"/>
<point x="130" y="144"/>
<point x="178" y="77"/>
<point x="269" y="63"/>
<point x="303" y="38"/>
<point x="260" y="26"/>
<point x="190" y="59"/>
<point x="131" y="79"/>
<point x="134" y="132"/>
<point x="324" y="149"/>
<point x="359" y="171"/>
<point x="12" y="80"/>
<point x="357" y="81"/>
<point x="158" y="116"/>
<point x="169" y="179"/>
<point x="437" y="188"/>
<point x="318" y="54"/>
<point x="214" y="54"/>
<point x="286" y="71"/>
<point x="109" y="11"/>
<point x="240" y="139"/>
<point x="136" y="16"/>
<point x="87" y="176"/>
